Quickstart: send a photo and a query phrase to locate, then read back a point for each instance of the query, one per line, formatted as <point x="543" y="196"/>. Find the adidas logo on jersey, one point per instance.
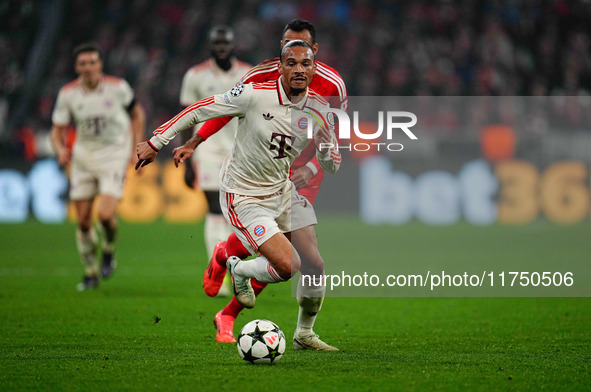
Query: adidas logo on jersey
<point x="268" y="117"/>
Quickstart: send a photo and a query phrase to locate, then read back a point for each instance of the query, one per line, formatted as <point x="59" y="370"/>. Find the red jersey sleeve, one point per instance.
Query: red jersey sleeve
<point x="210" y="127"/>
<point x="263" y="72"/>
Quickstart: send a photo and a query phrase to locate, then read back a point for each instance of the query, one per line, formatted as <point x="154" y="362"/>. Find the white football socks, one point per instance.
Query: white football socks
<point x="216" y="230"/>
<point x="258" y="268"/>
<point x="310" y="298"/>
<point x="86" y="244"/>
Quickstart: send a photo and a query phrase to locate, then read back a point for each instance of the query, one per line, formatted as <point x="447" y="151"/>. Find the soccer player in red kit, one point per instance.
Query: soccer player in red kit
<point x="306" y="172"/>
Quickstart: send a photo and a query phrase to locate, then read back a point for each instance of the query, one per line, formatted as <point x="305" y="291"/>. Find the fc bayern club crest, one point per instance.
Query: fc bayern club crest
<point x="259" y="230"/>
<point x="303" y="123"/>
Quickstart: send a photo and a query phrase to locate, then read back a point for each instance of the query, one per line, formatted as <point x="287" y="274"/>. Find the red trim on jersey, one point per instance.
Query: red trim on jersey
<point x="270" y="73"/>
<point x="266" y="65"/>
<point x="71" y="84"/>
<point x="320" y="98"/>
<point x="279" y="92"/>
<point x="164" y="127"/>
<point x="243" y="64"/>
<point x="263" y="86"/>
<point x="201" y="66"/>
<point x="250" y="240"/>
<point x="229" y="204"/>
<point x="230" y="213"/>
<point x="153" y="147"/>
<point x="236" y="222"/>
<point x="112" y="79"/>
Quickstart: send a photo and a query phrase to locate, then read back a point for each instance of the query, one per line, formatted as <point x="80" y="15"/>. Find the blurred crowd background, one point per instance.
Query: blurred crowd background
<point x="487" y="47"/>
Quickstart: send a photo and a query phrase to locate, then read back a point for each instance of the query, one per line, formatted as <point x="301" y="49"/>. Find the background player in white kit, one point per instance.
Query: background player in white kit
<point x="214" y="76"/>
<point x="103" y="109"/>
<point x="257" y="197"/>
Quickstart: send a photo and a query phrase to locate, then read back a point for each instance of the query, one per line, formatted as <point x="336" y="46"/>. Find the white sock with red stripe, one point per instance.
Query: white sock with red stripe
<point x="258" y="268"/>
<point x="310" y="297"/>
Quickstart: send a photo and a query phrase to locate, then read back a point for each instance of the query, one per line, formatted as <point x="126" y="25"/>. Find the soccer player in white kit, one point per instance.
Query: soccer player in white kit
<point x="214" y="76"/>
<point x="104" y="110"/>
<point x="257" y="196"/>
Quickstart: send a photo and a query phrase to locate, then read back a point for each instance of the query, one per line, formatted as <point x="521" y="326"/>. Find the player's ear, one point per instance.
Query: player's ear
<point x="315" y="48"/>
<point x="280" y="67"/>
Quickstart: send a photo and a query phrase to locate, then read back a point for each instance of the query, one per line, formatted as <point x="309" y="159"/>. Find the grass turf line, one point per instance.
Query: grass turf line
<point x="53" y="338"/>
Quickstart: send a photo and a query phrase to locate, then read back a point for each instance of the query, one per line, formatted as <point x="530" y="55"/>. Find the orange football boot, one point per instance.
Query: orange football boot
<point x="214" y="274"/>
<point x="224" y="326"/>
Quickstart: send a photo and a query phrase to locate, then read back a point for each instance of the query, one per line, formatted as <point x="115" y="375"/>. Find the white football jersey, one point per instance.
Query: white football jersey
<point x="272" y="131"/>
<point x="103" y="128"/>
<point x="205" y="80"/>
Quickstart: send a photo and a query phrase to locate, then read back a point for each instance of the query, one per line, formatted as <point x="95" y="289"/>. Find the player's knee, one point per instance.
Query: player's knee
<point x="312" y="261"/>
<point x="288" y="267"/>
<point x="313" y="265"/>
<point x="84" y="226"/>
<point x="106" y="218"/>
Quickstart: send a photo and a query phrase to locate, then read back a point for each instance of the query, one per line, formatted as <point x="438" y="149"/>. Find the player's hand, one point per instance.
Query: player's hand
<point x="181" y="154"/>
<point x="145" y="155"/>
<point x="63" y="157"/>
<point x="323" y="140"/>
<point x="133" y="159"/>
<point x="301" y="177"/>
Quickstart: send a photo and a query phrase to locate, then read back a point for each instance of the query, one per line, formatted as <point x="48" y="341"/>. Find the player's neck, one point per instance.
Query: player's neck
<point x="224" y="64"/>
<point x="90" y="84"/>
<point x="294" y="95"/>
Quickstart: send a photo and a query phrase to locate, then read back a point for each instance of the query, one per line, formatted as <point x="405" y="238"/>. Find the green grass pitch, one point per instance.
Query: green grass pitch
<point x="54" y="338"/>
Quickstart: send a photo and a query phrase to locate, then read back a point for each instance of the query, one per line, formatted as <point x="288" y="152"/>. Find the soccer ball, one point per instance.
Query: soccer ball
<point x="261" y="342"/>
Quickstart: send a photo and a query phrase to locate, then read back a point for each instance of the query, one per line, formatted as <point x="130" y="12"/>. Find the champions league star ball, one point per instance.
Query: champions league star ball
<point x="261" y="342"/>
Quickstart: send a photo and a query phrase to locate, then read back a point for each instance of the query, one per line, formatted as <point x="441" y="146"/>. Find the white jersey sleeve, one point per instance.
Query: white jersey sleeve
<point x="61" y="114"/>
<point x="125" y="94"/>
<point x="233" y="103"/>
<point x="189" y="89"/>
